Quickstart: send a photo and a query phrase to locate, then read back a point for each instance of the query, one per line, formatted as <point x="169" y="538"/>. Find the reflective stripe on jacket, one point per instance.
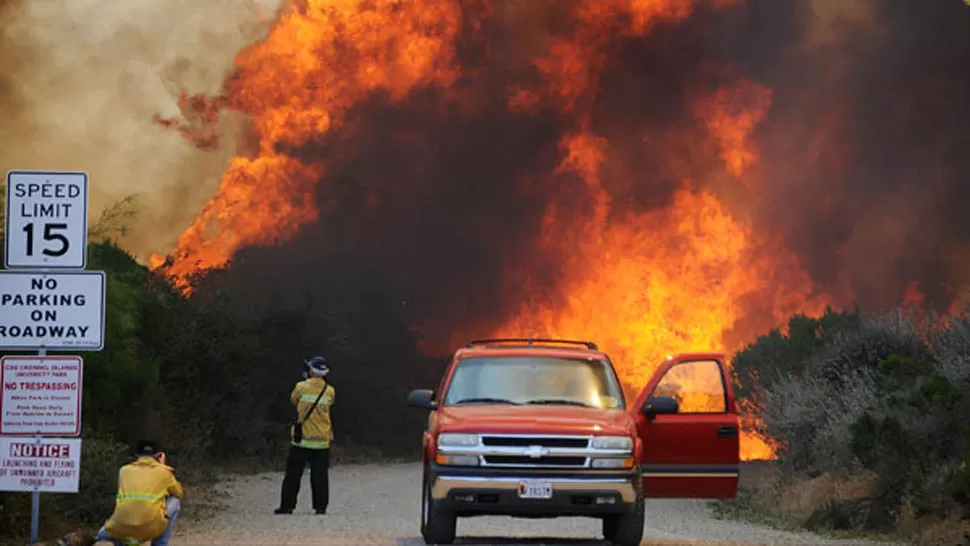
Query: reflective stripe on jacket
<point x="140" y="504"/>
<point x="317" y="429"/>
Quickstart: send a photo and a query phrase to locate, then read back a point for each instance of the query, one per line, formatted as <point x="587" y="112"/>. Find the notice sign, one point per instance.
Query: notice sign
<point x="47" y="220"/>
<point x="48" y="465"/>
<point x="52" y="310"/>
<point x="41" y="395"/>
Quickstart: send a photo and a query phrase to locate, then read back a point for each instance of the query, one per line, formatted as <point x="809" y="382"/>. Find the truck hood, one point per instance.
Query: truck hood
<point x="535" y="420"/>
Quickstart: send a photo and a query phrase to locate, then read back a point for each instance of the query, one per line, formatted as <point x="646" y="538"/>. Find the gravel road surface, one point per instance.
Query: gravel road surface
<point x="379" y="505"/>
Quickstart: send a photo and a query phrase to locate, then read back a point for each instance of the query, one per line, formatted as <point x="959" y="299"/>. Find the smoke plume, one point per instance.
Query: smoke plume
<point x="80" y="84"/>
<point x="865" y="169"/>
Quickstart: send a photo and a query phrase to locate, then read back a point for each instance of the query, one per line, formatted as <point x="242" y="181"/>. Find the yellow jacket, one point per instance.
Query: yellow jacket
<point x="317" y="429"/>
<point x="140" y="504"/>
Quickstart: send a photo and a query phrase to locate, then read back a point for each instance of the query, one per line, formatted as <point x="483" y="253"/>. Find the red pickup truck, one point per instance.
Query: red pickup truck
<point x="541" y="428"/>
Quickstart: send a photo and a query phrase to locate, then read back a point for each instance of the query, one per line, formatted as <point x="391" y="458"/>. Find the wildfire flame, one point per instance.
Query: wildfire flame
<point x="320" y="59"/>
<point x="687" y="277"/>
<point x="675" y="280"/>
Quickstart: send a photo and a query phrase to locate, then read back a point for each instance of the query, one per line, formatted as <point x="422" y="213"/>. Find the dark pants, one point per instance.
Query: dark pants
<point x="296" y="462"/>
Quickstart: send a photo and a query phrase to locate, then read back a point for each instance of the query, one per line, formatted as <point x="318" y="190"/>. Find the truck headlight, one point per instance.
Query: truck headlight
<point x="613" y="442"/>
<point x="453" y="439"/>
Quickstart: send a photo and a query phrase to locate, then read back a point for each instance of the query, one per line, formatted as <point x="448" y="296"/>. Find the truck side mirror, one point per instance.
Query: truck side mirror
<point x="657" y="405"/>
<point x="422" y="398"/>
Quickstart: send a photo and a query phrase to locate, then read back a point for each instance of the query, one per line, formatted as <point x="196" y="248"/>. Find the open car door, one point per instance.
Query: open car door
<point x="688" y="425"/>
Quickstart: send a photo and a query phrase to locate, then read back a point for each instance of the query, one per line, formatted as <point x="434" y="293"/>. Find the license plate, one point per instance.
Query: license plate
<point x="535" y="490"/>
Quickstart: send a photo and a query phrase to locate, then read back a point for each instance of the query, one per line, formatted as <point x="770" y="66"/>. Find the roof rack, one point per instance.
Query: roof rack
<point x="532" y="341"/>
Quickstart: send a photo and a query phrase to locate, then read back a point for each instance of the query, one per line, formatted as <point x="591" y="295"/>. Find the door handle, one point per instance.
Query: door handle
<point x="727" y="432"/>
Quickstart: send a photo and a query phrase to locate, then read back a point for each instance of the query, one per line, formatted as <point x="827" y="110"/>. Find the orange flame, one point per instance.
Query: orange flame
<point x="317" y="62"/>
<point x="913" y="297"/>
<point x="731" y="115"/>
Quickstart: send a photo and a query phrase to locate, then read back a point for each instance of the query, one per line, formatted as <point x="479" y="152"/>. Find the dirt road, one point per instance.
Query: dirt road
<point x="379" y="505"/>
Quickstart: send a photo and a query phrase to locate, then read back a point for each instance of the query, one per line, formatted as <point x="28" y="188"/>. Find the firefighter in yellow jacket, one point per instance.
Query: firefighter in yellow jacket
<point x="310" y="438"/>
<point x="148" y="501"/>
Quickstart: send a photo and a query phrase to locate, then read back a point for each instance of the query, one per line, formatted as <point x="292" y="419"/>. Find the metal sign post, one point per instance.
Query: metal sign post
<point x="35" y="495"/>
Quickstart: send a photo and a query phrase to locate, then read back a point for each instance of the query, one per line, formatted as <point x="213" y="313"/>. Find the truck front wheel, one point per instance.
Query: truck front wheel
<point x="438" y="525"/>
<point x="625" y="529"/>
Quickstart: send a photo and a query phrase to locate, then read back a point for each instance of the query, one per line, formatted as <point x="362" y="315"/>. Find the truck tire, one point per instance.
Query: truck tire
<point x="625" y="529"/>
<point x="438" y="526"/>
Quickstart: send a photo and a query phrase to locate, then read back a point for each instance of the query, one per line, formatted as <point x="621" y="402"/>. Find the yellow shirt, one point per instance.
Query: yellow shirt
<point x="140" y="504"/>
<point x="317" y="429"/>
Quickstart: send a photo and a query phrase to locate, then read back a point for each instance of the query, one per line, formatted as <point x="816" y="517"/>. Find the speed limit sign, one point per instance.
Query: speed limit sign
<point x="46" y="225"/>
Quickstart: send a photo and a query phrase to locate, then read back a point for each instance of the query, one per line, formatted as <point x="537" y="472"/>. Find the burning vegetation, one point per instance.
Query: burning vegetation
<point x="659" y="176"/>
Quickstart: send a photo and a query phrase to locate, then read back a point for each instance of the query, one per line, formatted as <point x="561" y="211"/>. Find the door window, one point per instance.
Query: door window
<point x="698" y="387"/>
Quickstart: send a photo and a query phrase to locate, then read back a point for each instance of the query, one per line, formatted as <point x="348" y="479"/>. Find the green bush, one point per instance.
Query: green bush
<point x="777" y="356"/>
<point x="878" y="441"/>
<point x="14" y="514"/>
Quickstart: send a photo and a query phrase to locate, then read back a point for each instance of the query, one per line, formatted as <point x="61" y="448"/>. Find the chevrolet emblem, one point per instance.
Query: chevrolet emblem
<point x="536" y="451"/>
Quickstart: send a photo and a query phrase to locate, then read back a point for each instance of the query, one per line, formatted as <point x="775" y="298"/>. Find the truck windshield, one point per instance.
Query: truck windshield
<point x="534" y="380"/>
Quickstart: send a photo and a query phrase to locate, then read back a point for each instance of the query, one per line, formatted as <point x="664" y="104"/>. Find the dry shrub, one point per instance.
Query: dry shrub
<point x="818" y="413"/>
<point x="931" y="530"/>
<point x="769" y="490"/>
<point x="930" y="516"/>
<point x="952" y="349"/>
<point x="803" y="499"/>
<point x="759" y="497"/>
<point x="781" y="498"/>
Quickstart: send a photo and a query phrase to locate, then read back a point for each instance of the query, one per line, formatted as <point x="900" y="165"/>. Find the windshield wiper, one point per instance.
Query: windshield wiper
<point x="560" y="401"/>
<point x="486" y="401"/>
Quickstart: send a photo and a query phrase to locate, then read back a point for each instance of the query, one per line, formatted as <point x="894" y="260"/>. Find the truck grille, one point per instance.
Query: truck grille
<point x="543" y="441"/>
<point x="541" y="462"/>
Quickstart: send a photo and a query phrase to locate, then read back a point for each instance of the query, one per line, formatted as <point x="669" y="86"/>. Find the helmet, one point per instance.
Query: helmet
<point x="317" y="367"/>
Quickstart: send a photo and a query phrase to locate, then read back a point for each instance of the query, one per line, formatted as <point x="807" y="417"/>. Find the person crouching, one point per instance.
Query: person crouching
<point x="148" y="501"/>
